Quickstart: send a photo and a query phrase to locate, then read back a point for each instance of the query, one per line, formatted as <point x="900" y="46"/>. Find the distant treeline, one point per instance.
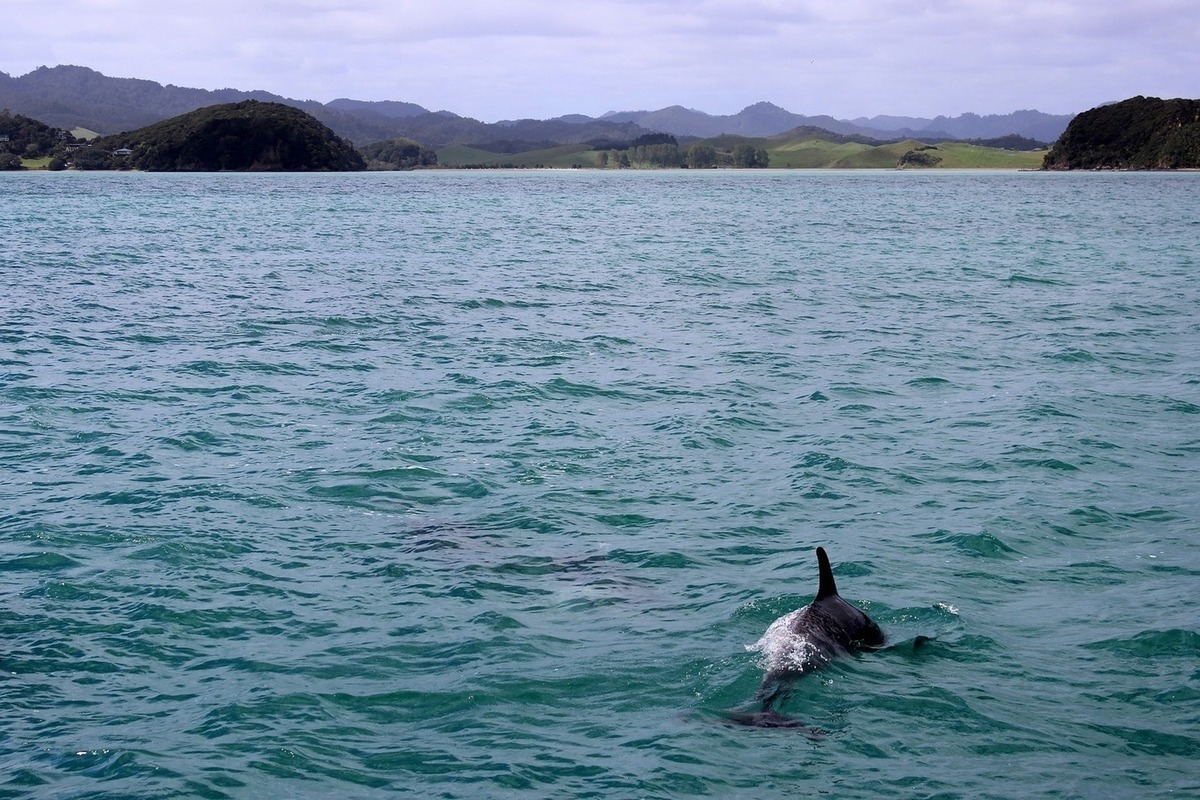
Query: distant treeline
<point x="662" y="151"/>
<point x="1010" y="142"/>
<point x="397" y="154"/>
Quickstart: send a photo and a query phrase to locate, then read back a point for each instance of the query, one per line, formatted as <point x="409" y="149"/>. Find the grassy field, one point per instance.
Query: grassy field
<point x="795" y="154"/>
<point x="822" y="154"/>
<point x="960" y="155"/>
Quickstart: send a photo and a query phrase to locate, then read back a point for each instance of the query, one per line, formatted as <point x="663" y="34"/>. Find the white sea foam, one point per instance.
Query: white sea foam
<point x="785" y="650"/>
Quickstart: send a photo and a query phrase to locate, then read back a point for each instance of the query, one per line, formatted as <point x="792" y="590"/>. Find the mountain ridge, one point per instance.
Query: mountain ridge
<point x="69" y="96"/>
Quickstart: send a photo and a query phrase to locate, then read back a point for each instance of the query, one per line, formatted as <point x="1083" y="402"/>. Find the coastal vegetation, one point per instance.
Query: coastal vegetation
<point x="397" y="154"/>
<point x="26" y="142"/>
<point x="1138" y="133"/>
<point x="652" y="150"/>
<point x="245" y="136"/>
<point x="662" y="151"/>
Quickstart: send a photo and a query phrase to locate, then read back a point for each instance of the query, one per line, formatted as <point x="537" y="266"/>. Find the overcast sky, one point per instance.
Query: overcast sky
<point x="543" y="58"/>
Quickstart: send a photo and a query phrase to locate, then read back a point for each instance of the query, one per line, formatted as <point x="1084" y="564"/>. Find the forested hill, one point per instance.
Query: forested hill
<point x="25" y="137"/>
<point x="250" y="135"/>
<point x="1138" y="133"/>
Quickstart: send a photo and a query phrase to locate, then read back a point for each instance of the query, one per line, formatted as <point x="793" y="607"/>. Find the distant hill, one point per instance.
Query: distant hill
<point x="391" y="109"/>
<point x="1138" y="133"/>
<point x="765" y="119"/>
<point x="246" y="136"/>
<point x="71" y="96"/>
<point x="1027" y="124"/>
<point x="759" y="119"/>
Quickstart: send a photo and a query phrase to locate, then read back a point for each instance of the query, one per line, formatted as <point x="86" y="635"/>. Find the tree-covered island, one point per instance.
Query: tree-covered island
<point x="1138" y="133"/>
<point x="246" y="136"/>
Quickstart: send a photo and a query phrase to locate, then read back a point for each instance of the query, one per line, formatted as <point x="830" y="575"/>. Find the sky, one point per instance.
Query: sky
<point x="539" y="59"/>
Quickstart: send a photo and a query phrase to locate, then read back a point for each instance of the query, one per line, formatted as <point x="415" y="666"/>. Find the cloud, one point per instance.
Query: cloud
<point x="541" y="58"/>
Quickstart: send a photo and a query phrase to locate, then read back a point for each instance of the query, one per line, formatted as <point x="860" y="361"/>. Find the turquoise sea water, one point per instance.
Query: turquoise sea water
<point x="479" y="484"/>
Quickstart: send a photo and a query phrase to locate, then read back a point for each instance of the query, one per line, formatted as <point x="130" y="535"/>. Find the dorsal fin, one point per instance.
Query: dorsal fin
<point x="826" y="588"/>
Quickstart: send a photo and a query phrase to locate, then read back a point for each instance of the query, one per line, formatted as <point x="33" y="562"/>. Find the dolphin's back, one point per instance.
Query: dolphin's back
<point x="806" y="640"/>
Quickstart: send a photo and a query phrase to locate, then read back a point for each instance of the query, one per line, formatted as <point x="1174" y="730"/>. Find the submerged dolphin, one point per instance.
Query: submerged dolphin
<point x="806" y="640"/>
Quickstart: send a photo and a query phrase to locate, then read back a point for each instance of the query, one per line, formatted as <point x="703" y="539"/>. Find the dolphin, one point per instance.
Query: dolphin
<point x="804" y="641"/>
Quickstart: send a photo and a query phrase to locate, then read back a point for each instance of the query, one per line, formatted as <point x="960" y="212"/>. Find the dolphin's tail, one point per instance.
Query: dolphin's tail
<point x="767" y="718"/>
<point x="771" y="692"/>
